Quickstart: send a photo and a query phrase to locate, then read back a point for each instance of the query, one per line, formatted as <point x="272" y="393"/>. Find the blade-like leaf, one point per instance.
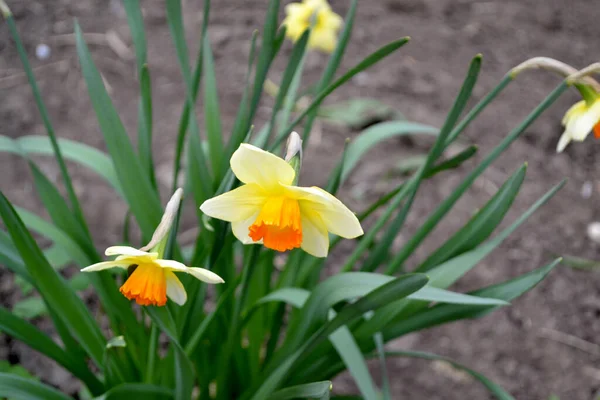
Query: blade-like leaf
<point x="18" y="388"/>
<point x="52" y="286"/>
<point x="141" y="197"/>
<point x="130" y="391"/>
<point x="315" y="390"/>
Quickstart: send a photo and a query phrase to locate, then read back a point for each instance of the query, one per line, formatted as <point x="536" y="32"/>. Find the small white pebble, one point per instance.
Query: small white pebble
<point x="42" y="51"/>
<point x="593" y="231"/>
<point x="587" y="189"/>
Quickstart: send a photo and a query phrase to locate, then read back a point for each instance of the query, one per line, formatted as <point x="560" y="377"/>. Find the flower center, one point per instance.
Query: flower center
<point x="147" y="285"/>
<point x="278" y="224"/>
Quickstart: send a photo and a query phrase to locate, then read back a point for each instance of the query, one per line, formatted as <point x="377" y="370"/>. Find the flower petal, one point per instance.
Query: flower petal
<point x="335" y="215"/>
<point x="235" y="205"/>
<point x="253" y="165"/>
<point x="315" y="240"/>
<point x="107" y="265"/>
<point x="564" y="140"/>
<point x="175" y="289"/>
<point x="241" y="229"/>
<point x="198" y="273"/>
<point x="128" y="251"/>
<point x="205" y="275"/>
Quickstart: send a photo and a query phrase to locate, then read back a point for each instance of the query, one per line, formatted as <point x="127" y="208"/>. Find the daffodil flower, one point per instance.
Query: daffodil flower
<point x="269" y="209"/>
<point x="581" y="119"/>
<point x="153" y="279"/>
<point x="315" y="14"/>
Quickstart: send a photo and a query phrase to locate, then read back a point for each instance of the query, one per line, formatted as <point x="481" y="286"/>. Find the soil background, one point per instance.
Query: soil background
<point x="517" y="346"/>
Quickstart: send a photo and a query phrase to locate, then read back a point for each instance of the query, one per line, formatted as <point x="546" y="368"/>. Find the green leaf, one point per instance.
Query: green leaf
<point x="48" y="230"/>
<point x="295" y="64"/>
<point x="450" y="271"/>
<point x="52" y="286"/>
<point x="358" y="113"/>
<point x="141" y="197"/>
<point x="481" y="225"/>
<point x="77" y="152"/>
<point x="492" y="387"/>
<point x="46" y="120"/>
<point x="18" y="388"/>
<point x="376" y="134"/>
<point x="577" y="263"/>
<point x="333" y="64"/>
<point x="21" y="330"/>
<point x="29" y="308"/>
<point x="212" y="114"/>
<point x="394" y="290"/>
<point x="315" y="390"/>
<point x="129" y="391"/>
<point x="444" y="313"/>
<point x="436" y="216"/>
<point x="369" y="61"/>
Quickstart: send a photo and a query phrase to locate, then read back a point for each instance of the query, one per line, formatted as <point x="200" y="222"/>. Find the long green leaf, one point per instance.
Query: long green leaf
<point x="130" y="391"/>
<point x="333" y="64"/>
<point x="481" y="226"/>
<point x="435" y="217"/>
<point x="394" y="290"/>
<point x="52" y="286"/>
<point x="315" y="390"/>
<point x="141" y="197"/>
<point x="27" y="333"/>
<point x="369" y="61"/>
<point x="376" y="134"/>
<point x="46" y="120"/>
<point x="212" y="114"/>
<point x="77" y="152"/>
<point x="18" y="388"/>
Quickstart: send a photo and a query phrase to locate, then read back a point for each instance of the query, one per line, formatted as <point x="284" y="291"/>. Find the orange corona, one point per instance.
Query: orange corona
<point x="278" y="224"/>
<point x="147" y="285"/>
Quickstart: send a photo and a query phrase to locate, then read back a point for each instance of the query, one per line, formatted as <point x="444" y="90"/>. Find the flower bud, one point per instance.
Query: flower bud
<point x="293" y="154"/>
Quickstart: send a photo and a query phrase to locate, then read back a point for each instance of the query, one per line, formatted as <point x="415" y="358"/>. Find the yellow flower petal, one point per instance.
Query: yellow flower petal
<point x="198" y="273"/>
<point x="323" y="39"/>
<point x="241" y="229"/>
<point x="337" y="218"/>
<point x="128" y="251"/>
<point x="253" y="165"/>
<point x="236" y="205"/>
<point x="315" y="239"/>
<point x="107" y="265"/>
<point x="175" y="289"/>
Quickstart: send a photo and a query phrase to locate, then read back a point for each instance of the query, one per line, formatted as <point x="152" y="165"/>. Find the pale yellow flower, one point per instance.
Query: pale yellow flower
<point x="300" y="16"/>
<point x="581" y="119"/>
<point x="153" y="279"/>
<point x="269" y="209"/>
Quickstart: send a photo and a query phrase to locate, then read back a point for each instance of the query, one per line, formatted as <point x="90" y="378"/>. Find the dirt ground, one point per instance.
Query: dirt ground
<point x="518" y="346"/>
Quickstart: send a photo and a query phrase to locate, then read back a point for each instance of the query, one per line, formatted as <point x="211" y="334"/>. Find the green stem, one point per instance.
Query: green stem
<point x="152" y="353"/>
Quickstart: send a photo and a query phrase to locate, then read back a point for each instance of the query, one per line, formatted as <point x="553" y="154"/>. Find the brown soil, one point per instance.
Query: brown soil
<point x="421" y="81"/>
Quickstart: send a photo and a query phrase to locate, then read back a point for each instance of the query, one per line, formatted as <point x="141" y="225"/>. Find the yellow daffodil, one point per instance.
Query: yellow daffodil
<point x="581" y="119"/>
<point x="301" y="16"/>
<point x="270" y="209"/>
<point x="153" y="279"/>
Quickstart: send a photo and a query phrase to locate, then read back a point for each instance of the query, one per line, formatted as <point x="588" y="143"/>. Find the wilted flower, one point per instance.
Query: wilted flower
<point x="317" y="15"/>
<point x="153" y="279"/>
<point x="270" y="209"/>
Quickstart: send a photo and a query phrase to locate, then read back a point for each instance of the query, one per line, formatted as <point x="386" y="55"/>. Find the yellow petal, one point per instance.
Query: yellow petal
<point x="253" y="165"/>
<point x="235" y="205"/>
<point x="580" y="124"/>
<point x="128" y="251"/>
<point x="323" y="39"/>
<point x="241" y="229"/>
<point x="338" y="219"/>
<point x="175" y="289"/>
<point x="315" y="240"/>
<point x="198" y="273"/>
<point x="107" y="265"/>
